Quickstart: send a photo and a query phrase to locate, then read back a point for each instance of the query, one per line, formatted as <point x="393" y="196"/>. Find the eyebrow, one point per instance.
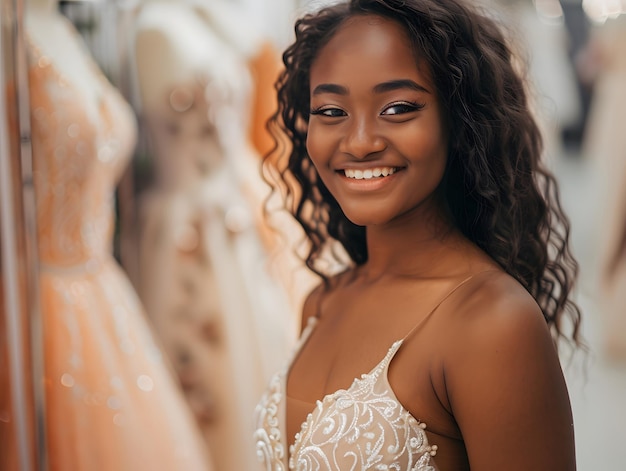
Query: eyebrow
<point x="330" y="88"/>
<point x="384" y="87"/>
<point x="399" y="84"/>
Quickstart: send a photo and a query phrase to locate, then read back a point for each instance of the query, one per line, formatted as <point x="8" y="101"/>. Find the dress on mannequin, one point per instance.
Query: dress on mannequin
<point x="223" y="319"/>
<point x="235" y="26"/>
<point x="111" y="400"/>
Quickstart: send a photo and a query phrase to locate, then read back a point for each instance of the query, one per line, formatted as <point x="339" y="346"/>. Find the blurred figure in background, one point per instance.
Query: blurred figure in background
<point x="577" y="25"/>
<point x="540" y="40"/>
<point x="605" y="144"/>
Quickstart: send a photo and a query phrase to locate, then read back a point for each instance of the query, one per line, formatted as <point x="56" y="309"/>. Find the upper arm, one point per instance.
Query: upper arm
<point x="507" y="390"/>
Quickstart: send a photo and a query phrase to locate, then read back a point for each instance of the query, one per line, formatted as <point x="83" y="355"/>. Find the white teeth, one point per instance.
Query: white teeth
<point x="369" y="173"/>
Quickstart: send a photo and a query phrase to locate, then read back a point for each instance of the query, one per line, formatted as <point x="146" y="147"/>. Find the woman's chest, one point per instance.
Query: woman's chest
<point x="369" y="419"/>
<point x="362" y="426"/>
<point x="351" y="336"/>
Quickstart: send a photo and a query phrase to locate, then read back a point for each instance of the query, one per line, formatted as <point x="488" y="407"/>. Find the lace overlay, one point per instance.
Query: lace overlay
<point x="268" y="437"/>
<point x="270" y="415"/>
<point x="362" y="428"/>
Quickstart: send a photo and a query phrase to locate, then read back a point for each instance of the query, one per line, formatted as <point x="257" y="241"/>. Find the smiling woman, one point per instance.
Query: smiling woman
<point x="372" y="108"/>
<point x="414" y="149"/>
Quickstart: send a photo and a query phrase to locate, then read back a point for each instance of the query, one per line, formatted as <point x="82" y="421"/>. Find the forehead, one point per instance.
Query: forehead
<point x="370" y="48"/>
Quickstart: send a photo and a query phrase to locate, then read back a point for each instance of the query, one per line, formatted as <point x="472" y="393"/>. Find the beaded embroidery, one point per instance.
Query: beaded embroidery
<point x="363" y="427"/>
<point x="268" y="438"/>
<point x="109" y="396"/>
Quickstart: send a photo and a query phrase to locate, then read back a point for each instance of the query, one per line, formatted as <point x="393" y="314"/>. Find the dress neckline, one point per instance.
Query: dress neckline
<point x="379" y="371"/>
<point x="94" y="104"/>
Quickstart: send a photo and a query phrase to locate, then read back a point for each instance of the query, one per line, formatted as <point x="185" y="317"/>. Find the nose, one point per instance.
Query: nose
<point x="362" y="138"/>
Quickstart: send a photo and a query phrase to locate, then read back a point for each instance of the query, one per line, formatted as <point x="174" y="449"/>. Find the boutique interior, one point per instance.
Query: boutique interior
<point x="150" y="283"/>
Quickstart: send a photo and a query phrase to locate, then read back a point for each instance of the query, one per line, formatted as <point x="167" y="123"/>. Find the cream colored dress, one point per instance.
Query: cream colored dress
<point x="205" y="274"/>
<point x="362" y="427"/>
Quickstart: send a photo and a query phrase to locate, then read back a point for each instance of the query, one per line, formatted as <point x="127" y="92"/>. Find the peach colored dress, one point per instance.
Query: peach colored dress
<point x="111" y="401"/>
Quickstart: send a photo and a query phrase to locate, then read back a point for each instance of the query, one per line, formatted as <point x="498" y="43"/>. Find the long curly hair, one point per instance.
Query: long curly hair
<point x="497" y="191"/>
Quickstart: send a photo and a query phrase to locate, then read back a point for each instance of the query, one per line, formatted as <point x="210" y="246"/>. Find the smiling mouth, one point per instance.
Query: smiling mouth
<point x="377" y="172"/>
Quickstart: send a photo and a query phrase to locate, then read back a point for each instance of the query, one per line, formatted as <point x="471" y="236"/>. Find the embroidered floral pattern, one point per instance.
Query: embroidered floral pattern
<point x="362" y="428"/>
<point x="268" y="438"/>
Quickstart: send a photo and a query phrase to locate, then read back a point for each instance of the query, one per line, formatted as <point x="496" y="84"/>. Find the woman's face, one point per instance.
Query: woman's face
<point x="375" y="132"/>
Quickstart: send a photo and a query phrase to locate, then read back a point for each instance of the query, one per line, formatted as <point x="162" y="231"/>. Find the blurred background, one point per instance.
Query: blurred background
<point x="130" y="189"/>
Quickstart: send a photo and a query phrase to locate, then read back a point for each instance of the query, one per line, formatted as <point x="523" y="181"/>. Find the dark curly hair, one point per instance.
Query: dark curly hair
<point x="497" y="192"/>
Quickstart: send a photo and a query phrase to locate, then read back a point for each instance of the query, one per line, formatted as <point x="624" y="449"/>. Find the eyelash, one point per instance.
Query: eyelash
<point x="412" y="106"/>
<point x="322" y="109"/>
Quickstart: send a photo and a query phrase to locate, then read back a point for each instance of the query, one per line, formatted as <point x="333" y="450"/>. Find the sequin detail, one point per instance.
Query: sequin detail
<point x="109" y="395"/>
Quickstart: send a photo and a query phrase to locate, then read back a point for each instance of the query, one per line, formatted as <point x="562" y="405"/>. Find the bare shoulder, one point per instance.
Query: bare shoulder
<point x="497" y="322"/>
<point x="503" y="379"/>
<point x="495" y="307"/>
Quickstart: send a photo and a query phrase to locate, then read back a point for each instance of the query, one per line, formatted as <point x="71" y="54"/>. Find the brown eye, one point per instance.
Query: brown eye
<point x="401" y="108"/>
<point x="329" y="112"/>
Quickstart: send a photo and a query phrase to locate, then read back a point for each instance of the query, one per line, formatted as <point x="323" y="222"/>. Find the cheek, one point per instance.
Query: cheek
<point x="422" y="145"/>
<point x="319" y="148"/>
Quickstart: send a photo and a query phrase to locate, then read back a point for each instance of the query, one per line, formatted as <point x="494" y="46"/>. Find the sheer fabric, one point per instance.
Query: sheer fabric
<point x="110" y="398"/>
<point x="363" y="427"/>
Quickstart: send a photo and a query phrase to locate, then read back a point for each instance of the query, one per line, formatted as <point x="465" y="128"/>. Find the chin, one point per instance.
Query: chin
<point x="367" y="218"/>
<point x="371" y="211"/>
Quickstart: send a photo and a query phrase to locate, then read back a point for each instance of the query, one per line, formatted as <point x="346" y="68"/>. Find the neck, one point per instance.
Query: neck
<point x="417" y="245"/>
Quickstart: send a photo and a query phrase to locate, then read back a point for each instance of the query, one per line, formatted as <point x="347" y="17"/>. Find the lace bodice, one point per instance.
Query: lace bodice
<point x="363" y="427"/>
<point x="78" y="156"/>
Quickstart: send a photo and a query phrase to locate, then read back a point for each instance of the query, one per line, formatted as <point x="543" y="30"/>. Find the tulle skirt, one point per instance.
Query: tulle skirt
<point x="111" y="400"/>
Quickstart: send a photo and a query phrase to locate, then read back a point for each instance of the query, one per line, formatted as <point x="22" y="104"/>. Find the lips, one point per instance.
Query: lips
<point x="370" y="173"/>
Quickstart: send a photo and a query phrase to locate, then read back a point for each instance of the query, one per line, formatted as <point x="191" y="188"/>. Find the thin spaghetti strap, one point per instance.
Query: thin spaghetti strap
<point x="441" y="301"/>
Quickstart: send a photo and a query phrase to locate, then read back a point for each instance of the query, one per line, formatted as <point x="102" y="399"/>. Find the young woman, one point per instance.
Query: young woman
<point x="413" y="150"/>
